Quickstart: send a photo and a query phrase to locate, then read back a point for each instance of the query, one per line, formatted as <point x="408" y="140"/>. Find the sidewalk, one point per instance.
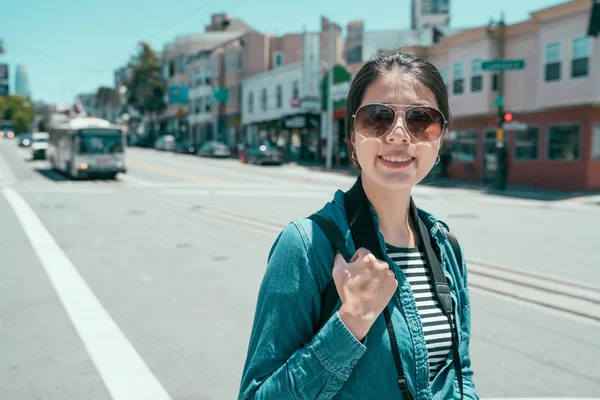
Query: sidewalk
<point x="514" y="191"/>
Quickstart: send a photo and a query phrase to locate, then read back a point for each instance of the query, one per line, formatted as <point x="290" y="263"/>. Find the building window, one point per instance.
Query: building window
<point x="580" y="57"/>
<point x="476" y="75"/>
<point x="355" y="55"/>
<point x="166" y="70"/>
<point x="563" y="143"/>
<point x="465" y="146"/>
<point x="277" y="59"/>
<point x="198" y="78"/>
<point x="208" y="76"/>
<point x="263" y="100"/>
<point x="241" y="60"/>
<point x="181" y="63"/>
<point x="208" y="103"/>
<point x="596" y="143"/>
<point x="279" y="96"/>
<point x="251" y="102"/>
<point x="171" y="68"/>
<point x="553" y="61"/>
<point x="495" y="80"/>
<point x="527" y="144"/>
<point x="295" y="90"/>
<point x="198" y="105"/>
<point x="458" y="74"/>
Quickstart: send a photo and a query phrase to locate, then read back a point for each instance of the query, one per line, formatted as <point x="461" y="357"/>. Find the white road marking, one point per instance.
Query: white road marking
<point x="120" y="366"/>
<point x="6" y="174"/>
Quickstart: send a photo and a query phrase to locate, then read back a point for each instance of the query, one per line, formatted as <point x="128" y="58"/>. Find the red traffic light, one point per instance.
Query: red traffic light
<point x="508" y="117"/>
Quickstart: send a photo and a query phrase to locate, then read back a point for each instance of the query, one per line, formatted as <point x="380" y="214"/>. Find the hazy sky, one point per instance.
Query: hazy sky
<point x="75" y="49"/>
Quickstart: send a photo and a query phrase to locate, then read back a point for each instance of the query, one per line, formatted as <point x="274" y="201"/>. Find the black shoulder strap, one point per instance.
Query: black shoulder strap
<point x="365" y="235"/>
<point x="330" y="296"/>
<point x="442" y="290"/>
<point x="454" y="243"/>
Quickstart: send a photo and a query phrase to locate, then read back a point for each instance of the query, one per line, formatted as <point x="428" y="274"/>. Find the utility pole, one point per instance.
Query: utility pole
<point x="501" y="152"/>
<point x="330" y="54"/>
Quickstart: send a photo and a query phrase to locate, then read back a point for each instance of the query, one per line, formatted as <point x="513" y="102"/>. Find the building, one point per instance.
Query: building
<point x="555" y="98"/>
<point x="281" y="89"/>
<point x="429" y="13"/>
<point x="22" y="82"/>
<point x="200" y="116"/>
<point x="175" y="120"/>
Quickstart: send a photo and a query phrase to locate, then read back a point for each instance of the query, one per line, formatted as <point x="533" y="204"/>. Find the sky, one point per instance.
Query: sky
<point x="76" y="48"/>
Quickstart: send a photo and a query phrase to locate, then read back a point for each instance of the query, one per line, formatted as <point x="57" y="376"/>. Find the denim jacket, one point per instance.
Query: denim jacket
<point x="287" y="360"/>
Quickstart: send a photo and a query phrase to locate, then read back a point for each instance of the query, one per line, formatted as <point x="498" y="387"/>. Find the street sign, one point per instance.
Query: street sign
<point x="515" y="126"/>
<point x="499" y="102"/>
<point x="501" y="65"/>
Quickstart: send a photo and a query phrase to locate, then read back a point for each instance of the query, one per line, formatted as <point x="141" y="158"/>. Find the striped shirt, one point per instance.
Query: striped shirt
<point x="436" y="329"/>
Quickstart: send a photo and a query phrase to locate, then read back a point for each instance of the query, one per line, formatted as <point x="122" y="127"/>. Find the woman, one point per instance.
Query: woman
<point x="396" y="117"/>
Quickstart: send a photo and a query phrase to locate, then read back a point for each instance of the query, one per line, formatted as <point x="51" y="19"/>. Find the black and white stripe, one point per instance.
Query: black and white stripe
<point x="436" y="329"/>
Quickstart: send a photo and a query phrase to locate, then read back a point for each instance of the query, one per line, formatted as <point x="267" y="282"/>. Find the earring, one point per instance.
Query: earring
<point x="437" y="160"/>
<point x="354" y="158"/>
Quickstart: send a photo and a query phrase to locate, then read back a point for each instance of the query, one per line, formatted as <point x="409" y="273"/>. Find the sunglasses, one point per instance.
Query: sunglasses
<point x="424" y="123"/>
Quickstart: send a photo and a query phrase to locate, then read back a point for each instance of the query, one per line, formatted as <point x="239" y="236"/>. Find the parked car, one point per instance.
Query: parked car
<point x="39" y="145"/>
<point x="24" y="139"/>
<point x="264" y="154"/>
<point x="185" y="147"/>
<point x="165" y="143"/>
<point x="214" y="149"/>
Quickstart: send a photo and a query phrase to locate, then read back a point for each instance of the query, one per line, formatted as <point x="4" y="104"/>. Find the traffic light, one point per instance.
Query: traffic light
<point x="507" y="117"/>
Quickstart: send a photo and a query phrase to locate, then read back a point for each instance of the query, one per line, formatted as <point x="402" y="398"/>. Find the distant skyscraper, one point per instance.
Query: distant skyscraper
<point x="22" y="82"/>
<point x="427" y="13"/>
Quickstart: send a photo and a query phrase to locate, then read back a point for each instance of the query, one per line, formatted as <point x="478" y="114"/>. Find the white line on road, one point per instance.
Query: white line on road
<point x="122" y="369"/>
<point x="6" y="174"/>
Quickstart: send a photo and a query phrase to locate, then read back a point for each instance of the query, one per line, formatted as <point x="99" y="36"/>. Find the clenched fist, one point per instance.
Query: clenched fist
<point x="365" y="286"/>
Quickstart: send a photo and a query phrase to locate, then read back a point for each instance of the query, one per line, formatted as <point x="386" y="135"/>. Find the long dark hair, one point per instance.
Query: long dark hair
<point x="399" y="60"/>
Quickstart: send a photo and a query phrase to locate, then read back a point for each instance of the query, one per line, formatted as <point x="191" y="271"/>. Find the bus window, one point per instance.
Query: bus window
<point x="100" y="143"/>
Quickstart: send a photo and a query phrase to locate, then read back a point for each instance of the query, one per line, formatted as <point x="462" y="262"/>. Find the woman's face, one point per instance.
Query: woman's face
<point x="381" y="159"/>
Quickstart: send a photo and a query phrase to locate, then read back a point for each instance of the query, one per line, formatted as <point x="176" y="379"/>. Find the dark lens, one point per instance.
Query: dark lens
<point x="425" y="123"/>
<point x="374" y="120"/>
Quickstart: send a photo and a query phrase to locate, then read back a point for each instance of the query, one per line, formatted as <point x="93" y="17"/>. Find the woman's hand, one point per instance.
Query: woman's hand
<point x="365" y="286"/>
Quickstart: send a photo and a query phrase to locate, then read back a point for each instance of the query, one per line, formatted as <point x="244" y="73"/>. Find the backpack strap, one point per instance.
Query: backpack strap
<point x="330" y="296"/>
<point x="453" y="242"/>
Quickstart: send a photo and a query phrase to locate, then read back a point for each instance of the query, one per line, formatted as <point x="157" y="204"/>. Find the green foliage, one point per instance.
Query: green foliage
<point x="18" y="110"/>
<point x="146" y="87"/>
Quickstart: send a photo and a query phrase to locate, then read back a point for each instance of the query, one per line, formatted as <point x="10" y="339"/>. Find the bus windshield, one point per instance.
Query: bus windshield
<point x="104" y="142"/>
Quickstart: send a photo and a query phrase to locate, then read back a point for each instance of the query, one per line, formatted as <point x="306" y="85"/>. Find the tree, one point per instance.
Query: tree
<point x="19" y="111"/>
<point x="146" y="86"/>
<point x="43" y="124"/>
<point x="107" y="97"/>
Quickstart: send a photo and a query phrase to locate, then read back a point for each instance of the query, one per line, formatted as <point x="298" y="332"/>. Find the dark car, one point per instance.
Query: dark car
<point x="185" y="147"/>
<point x="264" y="154"/>
<point x="25" y="139"/>
<point x="214" y="149"/>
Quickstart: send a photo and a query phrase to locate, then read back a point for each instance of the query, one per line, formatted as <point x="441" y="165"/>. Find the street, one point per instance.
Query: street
<point x="145" y="287"/>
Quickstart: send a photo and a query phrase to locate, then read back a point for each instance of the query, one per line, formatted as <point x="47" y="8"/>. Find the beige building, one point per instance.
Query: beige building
<point x="555" y="99"/>
<point x="255" y="54"/>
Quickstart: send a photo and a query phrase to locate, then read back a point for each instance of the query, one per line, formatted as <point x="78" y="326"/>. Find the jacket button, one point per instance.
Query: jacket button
<point x="415" y="325"/>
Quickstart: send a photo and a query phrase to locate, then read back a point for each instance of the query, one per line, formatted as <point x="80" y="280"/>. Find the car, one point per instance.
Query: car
<point x="264" y="154"/>
<point x="214" y="149"/>
<point x="166" y="143"/>
<point x="24" y="140"/>
<point x="185" y="147"/>
<point x="39" y="145"/>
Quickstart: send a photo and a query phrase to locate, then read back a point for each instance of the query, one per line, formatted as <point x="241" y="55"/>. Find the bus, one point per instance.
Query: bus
<point x="86" y="147"/>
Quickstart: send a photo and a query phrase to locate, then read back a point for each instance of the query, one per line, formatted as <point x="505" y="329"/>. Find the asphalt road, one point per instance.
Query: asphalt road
<point x="145" y="287"/>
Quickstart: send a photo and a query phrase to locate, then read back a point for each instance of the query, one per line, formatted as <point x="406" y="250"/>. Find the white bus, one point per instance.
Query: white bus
<point x="86" y="147"/>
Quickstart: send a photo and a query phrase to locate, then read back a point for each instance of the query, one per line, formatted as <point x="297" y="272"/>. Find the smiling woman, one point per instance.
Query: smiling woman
<point x="387" y="315"/>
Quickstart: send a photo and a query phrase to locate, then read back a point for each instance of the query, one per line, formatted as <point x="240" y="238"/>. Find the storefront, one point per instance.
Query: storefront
<point x="553" y="149"/>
